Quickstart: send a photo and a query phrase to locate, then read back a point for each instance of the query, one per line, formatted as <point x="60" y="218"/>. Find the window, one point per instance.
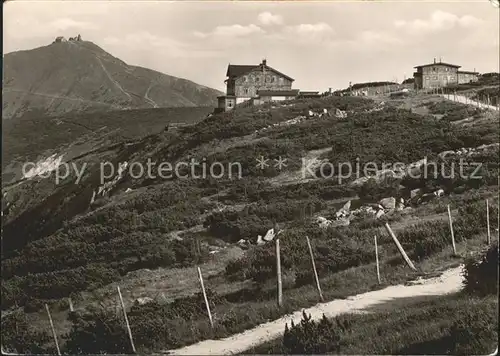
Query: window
<point x="447" y="68"/>
<point x="245" y="91"/>
<point x="257" y="79"/>
<point x="229" y="104"/>
<point x="244" y="79"/>
<point x="273" y="79"/>
<point x="434" y="77"/>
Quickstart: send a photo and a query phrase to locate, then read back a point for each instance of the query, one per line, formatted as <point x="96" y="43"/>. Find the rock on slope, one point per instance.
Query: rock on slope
<point x="81" y="76"/>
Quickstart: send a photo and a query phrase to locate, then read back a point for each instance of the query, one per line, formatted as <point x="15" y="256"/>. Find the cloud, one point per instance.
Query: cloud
<point x="378" y="38"/>
<point x="64" y="24"/>
<point x="146" y="42"/>
<point x="438" y="21"/>
<point x="231" y="31"/>
<point x="267" y="18"/>
<point x="318" y="32"/>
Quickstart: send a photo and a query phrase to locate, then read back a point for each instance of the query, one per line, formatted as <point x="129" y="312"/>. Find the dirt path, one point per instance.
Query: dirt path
<point x="53" y="96"/>
<point x="449" y="282"/>
<point x="147" y="98"/>
<point x="112" y="80"/>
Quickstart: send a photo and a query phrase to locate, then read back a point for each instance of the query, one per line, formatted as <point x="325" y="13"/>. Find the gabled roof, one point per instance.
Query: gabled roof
<point x="438" y="63"/>
<point x="237" y="70"/>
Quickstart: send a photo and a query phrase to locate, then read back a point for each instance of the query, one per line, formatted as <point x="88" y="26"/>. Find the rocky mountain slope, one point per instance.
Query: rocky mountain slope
<point x="81" y="76"/>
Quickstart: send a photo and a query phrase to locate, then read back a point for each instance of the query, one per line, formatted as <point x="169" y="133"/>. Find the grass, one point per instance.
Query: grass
<point x="463" y="323"/>
<point x="130" y="232"/>
<point x="453" y="324"/>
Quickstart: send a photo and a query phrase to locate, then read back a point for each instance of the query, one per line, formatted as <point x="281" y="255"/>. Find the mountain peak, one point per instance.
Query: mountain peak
<point x="71" y="74"/>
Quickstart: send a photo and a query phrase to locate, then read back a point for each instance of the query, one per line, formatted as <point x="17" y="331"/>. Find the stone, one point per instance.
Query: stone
<point x="439" y="193"/>
<point x="260" y="241"/>
<point x="388" y="203"/>
<point x="400" y="204"/>
<point x="379" y="214"/>
<point x="415" y="192"/>
<point x="269" y="236"/>
<point x="143" y="300"/>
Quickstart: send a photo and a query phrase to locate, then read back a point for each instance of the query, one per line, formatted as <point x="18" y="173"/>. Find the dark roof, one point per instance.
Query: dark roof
<point x="237" y="70"/>
<point x="309" y="92"/>
<point x="438" y="63"/>
<point x="467" y="72"/>
<point x="264" y="92"/>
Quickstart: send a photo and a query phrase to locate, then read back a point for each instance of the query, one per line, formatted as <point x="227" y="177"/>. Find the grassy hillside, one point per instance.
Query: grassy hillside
<point x="148" y="233"/>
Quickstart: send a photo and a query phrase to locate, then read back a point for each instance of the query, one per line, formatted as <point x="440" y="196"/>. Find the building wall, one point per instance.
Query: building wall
<point x="467" y="77"/>
<point x="248" y="84"/>
<point x="230" y="103"/>
<point x="438" y="75"/>
<point x="241" y="100"/>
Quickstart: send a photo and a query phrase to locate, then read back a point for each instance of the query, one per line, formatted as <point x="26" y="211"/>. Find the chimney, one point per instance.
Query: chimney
<point x="434" y="60"/>
<point x="264" y="62"/>
<point x="439" y="59"/>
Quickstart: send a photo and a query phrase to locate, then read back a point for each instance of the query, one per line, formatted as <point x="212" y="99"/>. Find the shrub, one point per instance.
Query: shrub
<point x="311" y="338"/>
<point x="481" y="275"/>
<point x="475" y="330"/>
<point x="98" y="332"/>
<point x="18" y="336"/>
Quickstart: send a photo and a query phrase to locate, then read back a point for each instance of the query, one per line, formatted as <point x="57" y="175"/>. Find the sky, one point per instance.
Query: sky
<point x="320" y="44"/>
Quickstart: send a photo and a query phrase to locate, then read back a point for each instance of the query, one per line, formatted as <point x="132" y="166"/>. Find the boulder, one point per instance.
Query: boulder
<point x="400" y="204"/>
<point x="323" y="222"/>
<point x="260" y="241"/>
<point x="439" y="193"/>
<point x="269" y="236"/>
<point x="388" y="203"/>
<point x="143" y="300"/>
<point x="415" y="192"/>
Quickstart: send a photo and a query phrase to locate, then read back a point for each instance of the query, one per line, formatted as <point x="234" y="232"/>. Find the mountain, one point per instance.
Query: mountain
<point x="80" y="76"/>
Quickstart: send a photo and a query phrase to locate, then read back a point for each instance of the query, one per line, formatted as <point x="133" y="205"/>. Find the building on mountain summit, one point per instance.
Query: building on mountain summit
<point x="440" y="74"/>
<point x="256" y="83"/>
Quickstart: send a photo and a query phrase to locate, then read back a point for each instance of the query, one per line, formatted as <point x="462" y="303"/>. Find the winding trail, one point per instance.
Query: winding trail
<point x="148" y="99"/>
<point x="53" y="96"/>
<point x="112" y="80"/>
<point x="449" y="282"/>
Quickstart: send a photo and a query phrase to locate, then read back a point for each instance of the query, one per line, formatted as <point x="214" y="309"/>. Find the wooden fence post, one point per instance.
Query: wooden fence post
<point x="314" y="269"/>
<point x="400" y="248"/>
<point x="53" y="330"/>
<point x="451" y="230"/>
<point x="376" y="260"/>
<point x="205" y="297"/>
<point x="126" y="319"/>
<point x="278" y="274"/>
<point x="488" y="220"/>
<point x="71" y="309"/>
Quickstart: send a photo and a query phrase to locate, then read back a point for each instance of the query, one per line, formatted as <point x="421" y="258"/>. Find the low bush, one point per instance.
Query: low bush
<point x="481" y="274"/>
<point x="313" y="338"/>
